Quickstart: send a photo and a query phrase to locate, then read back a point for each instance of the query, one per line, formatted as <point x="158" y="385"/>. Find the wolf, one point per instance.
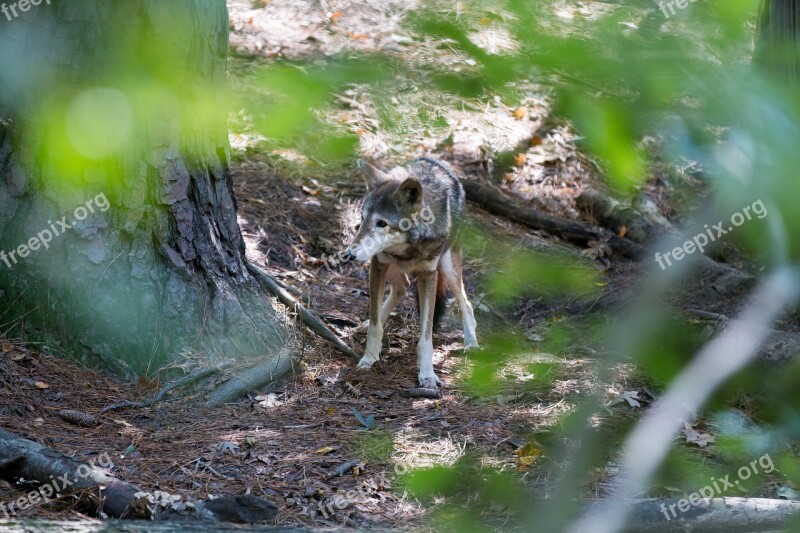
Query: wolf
<point x="410" y="224"/>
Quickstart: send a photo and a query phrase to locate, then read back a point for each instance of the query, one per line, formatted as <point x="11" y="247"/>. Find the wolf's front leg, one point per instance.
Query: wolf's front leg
<point x="426" y="287"/>
<point x="377" y="286"/>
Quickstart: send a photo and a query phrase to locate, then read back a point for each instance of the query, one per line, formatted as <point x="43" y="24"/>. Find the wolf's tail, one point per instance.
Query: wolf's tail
<point x="441" y="299"/>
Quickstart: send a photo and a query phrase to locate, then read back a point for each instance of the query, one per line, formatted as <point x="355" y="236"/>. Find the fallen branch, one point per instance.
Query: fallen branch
<point x="615" y="215"/>
<point x="194" y="377"/>
<point x="23" y="458"/>
<point x="30" y="460"/>
<point x="421" y="393"/>
<point x="309" y="319"/>
<point x="736" y="515"/>
<point x="343" y="469"/>
<point x="499" y="203"/>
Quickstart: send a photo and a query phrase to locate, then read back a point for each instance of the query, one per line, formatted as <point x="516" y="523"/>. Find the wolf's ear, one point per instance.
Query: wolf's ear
<point x="410" y="193"/>
<point x="374" y="176"/>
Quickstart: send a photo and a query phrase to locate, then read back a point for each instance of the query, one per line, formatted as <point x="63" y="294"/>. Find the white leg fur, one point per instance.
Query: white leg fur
<point x="451" y="268"/>
<point x="377" y="286"/>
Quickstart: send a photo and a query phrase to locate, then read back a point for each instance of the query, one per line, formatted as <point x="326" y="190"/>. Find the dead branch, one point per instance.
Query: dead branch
<point x="414" y="392"/>
<point x="309" y="319"/>
<point x="343" y="469"/>
<point x="499" y="203"/>
<point x="615" y="215"/>
<point x="27" y="459"/>
<point x="23" y="458"/>
<point x="736" y="515"/>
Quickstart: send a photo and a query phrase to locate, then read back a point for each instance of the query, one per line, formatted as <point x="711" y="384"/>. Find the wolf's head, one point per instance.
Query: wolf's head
<point x="393" y="208"/>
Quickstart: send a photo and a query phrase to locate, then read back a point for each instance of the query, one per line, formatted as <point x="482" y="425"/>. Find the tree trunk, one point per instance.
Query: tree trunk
<point x="112" y="115"/>
<point x="778" y="43"/>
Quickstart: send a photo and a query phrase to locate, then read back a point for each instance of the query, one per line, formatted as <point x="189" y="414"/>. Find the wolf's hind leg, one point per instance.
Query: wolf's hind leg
<point x="450" y="267"/>
<point x="398" y="283"/>
<point x="377" y="286"/>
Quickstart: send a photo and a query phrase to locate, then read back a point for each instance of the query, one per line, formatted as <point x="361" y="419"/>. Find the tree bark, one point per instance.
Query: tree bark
<point x="124" y="101"/>
<point x="778" y="42"/>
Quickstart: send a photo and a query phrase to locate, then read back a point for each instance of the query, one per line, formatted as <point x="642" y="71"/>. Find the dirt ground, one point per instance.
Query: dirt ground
<point x="283" y="444"/>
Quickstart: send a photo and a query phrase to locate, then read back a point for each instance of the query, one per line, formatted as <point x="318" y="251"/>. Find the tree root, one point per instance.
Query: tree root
<point x="253" y="378"/>
<point x="309" y="319"/>
<point x="194" y="377"/>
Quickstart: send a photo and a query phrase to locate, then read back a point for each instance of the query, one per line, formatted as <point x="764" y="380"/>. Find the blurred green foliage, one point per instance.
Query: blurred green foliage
<point x="621" y="73"/>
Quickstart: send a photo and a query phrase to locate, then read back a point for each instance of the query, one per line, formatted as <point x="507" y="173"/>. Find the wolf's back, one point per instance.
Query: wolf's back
<point x="441" y="187"/>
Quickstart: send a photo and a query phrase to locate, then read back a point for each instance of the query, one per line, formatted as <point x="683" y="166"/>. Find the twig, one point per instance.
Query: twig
<point x="707" y="315"/>
<point x="310" y="320"/>
<point x="181" y="382"/>
<point x="343" y="469"/>
<point x="421" y="393"/>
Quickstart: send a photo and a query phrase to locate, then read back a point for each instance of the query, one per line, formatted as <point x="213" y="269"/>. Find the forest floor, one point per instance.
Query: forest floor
<point x="295" y="208"/>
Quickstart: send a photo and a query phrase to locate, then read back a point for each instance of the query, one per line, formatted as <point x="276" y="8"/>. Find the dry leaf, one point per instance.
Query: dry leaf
<point x="528" y="454"/>
<point x="326" y="449"/>
<point x="270" y="400"/>
<point x="336" y="16"/>
<point x="630" y="396"/>
<point x="41" y="385"/>
<point x="596" y="250"/>
<point x="484" y="21"/>
<point x="521" y="113"/>
<point x="536" y="140"/>
<point x="623" y="230"/>
<point x="520" y="159"/>
<point x="695" y="437"/>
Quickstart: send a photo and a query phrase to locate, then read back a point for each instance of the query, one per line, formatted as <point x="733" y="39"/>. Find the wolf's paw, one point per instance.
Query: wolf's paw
<point x="429" y="380"/>
<point x="367" y="361"/>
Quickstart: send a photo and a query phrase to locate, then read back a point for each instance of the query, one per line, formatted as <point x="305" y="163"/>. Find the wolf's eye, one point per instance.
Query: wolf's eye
<point x="381" y="224"/>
